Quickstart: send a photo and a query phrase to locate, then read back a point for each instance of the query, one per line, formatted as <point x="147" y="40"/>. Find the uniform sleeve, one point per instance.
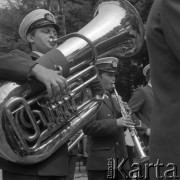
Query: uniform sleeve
<point x="14" y="68"/>
<point x="103" y="127"/>
<point x="170" y="14"/>
<point x="135" y="103"/>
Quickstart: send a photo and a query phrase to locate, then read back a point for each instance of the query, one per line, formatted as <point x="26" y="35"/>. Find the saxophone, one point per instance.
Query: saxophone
<point x="137" y="143"/>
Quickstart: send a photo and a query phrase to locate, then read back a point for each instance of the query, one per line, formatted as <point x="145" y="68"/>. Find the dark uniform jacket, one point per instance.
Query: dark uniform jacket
<point x="163" y="37"/>
<point x="105" y="139"/>
<point x="20" y="63"/>
<point x="15" y="68"/>
<point x="141" y="104"/>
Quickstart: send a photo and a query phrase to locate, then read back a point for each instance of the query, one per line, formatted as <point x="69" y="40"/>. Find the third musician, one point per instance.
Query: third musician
<point x="141" y="104"/>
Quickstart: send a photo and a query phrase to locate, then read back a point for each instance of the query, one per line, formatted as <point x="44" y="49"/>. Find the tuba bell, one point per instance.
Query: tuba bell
<point x="32" y="127"/>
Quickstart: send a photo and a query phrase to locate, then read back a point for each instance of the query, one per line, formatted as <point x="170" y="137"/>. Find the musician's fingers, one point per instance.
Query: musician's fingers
<point x="49" y="90"/>
<point x="56" y="89"/>
<point x="65" y="82"/>
<point x="129" y="122"/>
<point x="126" y="124"/>
<point x="62" y="83"/>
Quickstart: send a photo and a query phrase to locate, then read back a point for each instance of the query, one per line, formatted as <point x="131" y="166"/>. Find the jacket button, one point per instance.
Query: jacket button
<point x="117" y="143"/>
<point x="109" y="115"/>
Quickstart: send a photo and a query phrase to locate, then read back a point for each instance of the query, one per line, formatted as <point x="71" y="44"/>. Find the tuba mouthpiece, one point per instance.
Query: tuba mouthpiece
<point x="53" y="41"/>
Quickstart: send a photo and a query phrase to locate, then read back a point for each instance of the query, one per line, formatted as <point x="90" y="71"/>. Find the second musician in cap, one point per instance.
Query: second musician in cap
<point x="106" y="133"/>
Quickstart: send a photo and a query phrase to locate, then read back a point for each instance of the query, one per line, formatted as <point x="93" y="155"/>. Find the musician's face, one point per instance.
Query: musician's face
<point x="107" y="80"/>
<point x="40" y="39"/>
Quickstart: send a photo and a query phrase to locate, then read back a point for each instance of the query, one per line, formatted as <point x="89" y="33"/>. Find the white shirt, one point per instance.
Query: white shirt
<point x="38" y="53"/>
<point x="150" y="84"/>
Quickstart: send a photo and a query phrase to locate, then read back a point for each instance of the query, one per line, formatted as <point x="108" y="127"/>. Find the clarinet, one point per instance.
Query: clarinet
<point x="137" y="143"/>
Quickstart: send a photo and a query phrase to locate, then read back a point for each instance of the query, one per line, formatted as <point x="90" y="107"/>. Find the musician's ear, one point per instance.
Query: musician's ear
<point x="30" y="37"/>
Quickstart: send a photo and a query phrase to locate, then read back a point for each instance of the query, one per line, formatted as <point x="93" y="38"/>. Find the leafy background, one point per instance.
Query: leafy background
<point x="76" y="13"/>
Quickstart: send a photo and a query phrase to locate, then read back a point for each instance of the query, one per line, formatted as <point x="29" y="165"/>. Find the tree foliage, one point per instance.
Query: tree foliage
<point x="77" y="14"/>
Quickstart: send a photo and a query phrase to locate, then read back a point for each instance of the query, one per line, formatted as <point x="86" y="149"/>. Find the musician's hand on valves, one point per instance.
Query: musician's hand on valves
<point x="125" y="122"/>
<point x="55" y="83"/>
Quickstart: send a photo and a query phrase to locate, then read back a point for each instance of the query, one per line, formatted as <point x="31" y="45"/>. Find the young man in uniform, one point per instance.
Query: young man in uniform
<point x="106" y="140"/>
<point x="37" y="28"/>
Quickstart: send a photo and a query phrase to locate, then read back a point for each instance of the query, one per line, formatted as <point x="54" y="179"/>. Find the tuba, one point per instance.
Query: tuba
<point x="75" y="140"/>
<point x="32" y="127"/>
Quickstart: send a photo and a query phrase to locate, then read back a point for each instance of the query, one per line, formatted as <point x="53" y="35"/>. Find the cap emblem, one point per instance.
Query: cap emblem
<point x="49" y="17"/>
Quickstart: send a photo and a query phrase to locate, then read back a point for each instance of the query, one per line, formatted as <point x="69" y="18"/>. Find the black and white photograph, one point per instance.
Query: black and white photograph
<point x="89" y="89"/>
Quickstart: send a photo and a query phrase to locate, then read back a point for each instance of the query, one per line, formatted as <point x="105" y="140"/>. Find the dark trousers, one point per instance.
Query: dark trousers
<point x="71" y="167"/>
<point x="102" y="175"/>
<point x="13" y="176"/>
<point x="130" y="154"/>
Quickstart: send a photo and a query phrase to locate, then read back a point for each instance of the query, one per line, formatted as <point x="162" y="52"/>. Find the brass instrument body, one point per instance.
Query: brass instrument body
<point x="75" y="140"/>
<point x="27" y="125"/>
<point x="116" y="29"/>
<point x="32" y="127"/>
<point x="137" y="143"/>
